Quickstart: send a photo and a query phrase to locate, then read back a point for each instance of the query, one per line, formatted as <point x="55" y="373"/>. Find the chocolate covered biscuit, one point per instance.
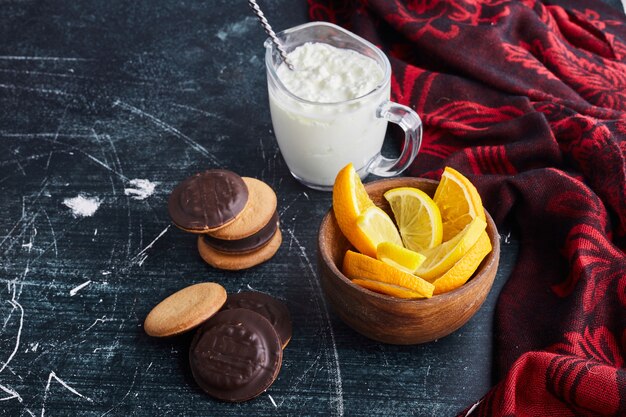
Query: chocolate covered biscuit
<point x="236" y="355"/>
<point x="260" y="210"/>
<point x="269" y="307"/>
<point x="207" y="201"/>
<point x="238" y="261"/>
<point x="246" y="244"/>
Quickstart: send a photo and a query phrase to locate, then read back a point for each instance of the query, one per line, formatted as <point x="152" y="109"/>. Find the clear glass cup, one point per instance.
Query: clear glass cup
<point x="318" y="139"/>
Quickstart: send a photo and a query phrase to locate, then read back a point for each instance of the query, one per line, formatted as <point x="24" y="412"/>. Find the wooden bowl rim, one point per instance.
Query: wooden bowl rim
<point x="486" y="265"/>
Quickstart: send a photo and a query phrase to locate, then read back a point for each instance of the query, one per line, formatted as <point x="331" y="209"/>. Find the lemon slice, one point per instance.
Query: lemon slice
<point x="349" y="200"/>
<point x="459" y="202"/>
<point x="465" y="267"/>
<point x="417" y="216"/>
<point x="359" y="266"/>
<point x="399" y="257"/>
<point x="441" y="258"/>
<point x="376" y="227"/>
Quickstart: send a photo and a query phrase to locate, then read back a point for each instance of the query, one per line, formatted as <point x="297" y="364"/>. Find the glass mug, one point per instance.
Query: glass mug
<point x="317" y="140"/>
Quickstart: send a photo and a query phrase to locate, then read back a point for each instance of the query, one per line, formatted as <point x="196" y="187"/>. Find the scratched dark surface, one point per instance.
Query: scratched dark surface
<point x="95" y="95"/>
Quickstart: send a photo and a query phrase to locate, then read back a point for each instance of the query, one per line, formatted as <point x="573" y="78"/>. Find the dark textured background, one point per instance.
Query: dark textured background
<point x="95" y="94"/>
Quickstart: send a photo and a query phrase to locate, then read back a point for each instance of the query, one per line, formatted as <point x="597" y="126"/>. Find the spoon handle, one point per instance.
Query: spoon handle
<point x="268" y="29"/>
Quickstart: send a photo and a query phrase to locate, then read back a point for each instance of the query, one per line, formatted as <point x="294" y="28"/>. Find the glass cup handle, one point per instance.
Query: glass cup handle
<point x="411" y="123"/>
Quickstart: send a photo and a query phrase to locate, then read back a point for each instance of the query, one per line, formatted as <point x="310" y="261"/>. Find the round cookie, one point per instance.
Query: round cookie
<point x="236" y="355"/>
<point x="238" y="261"/>
<point x="246" y="244"/>
<point x="185" y="309"/>
<point x="261" y="207"/>
<point x="207" y="201"/>
<point x="275" y="311"/>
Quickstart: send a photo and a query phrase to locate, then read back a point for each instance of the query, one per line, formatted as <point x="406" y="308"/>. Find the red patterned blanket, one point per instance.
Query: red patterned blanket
<point x="528" y="99"/>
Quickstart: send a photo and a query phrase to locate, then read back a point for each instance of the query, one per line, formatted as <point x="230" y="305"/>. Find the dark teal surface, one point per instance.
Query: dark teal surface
<point x="94" y="94"/>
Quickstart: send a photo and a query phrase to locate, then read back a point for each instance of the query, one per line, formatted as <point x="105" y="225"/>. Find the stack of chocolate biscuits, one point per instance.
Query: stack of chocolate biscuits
<point x="235" y="218"/>
<point x="237" y="351"/>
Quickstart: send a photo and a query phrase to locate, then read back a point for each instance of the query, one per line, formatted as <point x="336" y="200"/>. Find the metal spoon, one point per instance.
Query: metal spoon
<point x="268" y="29"/>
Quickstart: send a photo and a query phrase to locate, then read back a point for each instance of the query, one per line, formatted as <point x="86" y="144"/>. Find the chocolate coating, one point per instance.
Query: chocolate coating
<point x="235" y="355"/>
<point x="275" y="311"/>
<point x="207" y="200"/>
<point x="246" y="244"/>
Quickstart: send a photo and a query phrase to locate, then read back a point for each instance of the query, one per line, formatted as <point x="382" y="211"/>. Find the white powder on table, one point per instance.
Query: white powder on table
<point x="82" y="206"/>
<point x="140" y="189"/>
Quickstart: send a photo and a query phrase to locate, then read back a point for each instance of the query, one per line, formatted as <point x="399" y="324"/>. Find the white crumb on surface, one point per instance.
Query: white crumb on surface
<point x="82" y="206"/>
<point x="140" y="189"/>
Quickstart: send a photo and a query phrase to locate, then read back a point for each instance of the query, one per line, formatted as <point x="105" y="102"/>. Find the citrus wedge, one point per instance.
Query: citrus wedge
<point x="359" y="266"/>
<point x="417" y="217"/>
<point x="399" y="257"/>
<point x="441" y="258"/>
<point x="465" y="267"/>
<point x="388" y="289"/>
<point x="376" y="227"/>
<point x="349" y="200"/>
<point x="459" y="202"/>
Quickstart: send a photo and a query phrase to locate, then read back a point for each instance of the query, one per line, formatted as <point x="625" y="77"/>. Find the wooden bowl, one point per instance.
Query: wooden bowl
<point x="394" y="320"/>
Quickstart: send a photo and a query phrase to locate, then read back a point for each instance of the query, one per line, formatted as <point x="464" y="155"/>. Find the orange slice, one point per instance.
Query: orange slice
<point x="465" y="267"/>
<point x="359" y="266"/>
<point x="458" y="201"/>
<point x="349" y="200"/>
<point x="387" y="289"/>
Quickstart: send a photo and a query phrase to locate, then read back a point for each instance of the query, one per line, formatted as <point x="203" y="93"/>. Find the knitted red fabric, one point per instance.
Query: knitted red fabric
<point x="528" y="99"/>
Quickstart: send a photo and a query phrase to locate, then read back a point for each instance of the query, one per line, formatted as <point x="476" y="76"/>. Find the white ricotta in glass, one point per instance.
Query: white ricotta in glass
<point x="328" y="118"/>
